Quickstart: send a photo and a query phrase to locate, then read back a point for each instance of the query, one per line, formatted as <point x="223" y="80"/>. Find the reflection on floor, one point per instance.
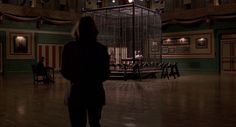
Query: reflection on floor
<point x="195" y="100"/>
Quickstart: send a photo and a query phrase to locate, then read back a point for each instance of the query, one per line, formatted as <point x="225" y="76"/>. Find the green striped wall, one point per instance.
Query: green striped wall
<point x="46" y="33"/>
<point x="45" y="38"/>
<point x="201" y="64"/>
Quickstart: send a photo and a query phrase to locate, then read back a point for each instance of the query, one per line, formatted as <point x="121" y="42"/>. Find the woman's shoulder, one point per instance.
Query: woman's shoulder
<point x="101" y="46"/>
<point x="71" y="43"/>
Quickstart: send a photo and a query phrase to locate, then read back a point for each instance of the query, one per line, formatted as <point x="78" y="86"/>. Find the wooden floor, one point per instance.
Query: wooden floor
<point x="193" y="100"/>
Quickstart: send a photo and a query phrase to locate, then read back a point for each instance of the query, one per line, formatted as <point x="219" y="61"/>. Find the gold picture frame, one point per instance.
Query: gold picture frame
<point x="20" y="45"/>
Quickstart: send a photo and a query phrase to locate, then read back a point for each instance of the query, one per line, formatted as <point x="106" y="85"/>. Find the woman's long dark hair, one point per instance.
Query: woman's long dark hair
<point x="87" y="29"/>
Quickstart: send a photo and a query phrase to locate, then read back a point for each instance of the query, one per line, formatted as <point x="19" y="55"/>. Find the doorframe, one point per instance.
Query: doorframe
<point x="229" y="37"/>
<point x="1" y="59"/>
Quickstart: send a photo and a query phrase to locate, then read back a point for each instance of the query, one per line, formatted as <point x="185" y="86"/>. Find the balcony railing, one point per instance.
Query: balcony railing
<point x="225" y="11"/>
<point x="45" y="4"/>
<point x="66" y="5"/>
<point x="176" y="5"/>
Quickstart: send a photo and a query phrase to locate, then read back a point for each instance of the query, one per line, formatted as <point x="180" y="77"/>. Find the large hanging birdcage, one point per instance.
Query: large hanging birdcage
<point x="129" y="31"/>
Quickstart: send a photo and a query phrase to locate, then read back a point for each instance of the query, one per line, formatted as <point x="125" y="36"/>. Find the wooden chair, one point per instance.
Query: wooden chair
<point x="40" y="78"/>
<point x="50" y="74"/>
<point x="37" y="78"/>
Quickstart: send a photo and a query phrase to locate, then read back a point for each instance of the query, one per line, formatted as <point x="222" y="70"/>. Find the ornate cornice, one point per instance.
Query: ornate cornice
<point x="29" y="11"/>
<point x="195" y="15"/>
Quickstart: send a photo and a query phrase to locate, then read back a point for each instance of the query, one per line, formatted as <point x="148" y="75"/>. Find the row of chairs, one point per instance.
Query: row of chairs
<point x="169" y="70"/>
<point x="136" y="69"/>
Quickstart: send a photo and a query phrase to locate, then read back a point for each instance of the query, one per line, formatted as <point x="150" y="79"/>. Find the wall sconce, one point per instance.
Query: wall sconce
<point x="168" y="40"/>
<point x="182" y="40"/>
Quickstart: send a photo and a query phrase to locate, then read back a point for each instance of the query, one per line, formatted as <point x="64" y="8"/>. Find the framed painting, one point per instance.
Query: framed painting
<point x="201" y="43"/>
<point x="191" y="44"/>
<point x="183" y="41"/>
<point x="168" y="41"/>
<point x="20" y="45"/>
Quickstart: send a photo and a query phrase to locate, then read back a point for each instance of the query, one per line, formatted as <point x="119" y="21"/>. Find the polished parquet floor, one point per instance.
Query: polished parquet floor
<point x="192" y="100"/>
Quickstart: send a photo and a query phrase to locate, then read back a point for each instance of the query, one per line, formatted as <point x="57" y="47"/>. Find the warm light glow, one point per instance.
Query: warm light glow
<point x="202" y="39"/>
<point x="20" y="40"/>
<point x="168" y="40"/>
<point x="130" y="1"/>
<point x="182" y="39"/>
<point x="113" y="1"/>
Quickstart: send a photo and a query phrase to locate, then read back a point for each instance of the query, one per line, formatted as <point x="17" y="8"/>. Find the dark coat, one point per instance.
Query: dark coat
<point x="86" y="65"/>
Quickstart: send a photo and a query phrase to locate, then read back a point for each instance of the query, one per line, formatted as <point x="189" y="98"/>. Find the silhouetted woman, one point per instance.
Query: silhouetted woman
<point x="85" y="62"/>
